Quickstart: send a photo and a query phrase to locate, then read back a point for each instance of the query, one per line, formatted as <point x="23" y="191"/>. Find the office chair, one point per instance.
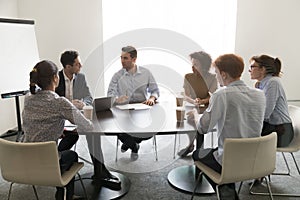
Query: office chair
<point x="294" y="146"/>
<point x="34" y="164"/>
<point x="243" y="159"/>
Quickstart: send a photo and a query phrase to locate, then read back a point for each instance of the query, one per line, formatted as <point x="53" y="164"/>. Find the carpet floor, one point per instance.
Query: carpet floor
<point x="149" y="177"/>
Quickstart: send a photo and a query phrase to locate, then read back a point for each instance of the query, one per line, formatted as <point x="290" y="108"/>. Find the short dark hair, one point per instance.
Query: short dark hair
<point x="272" y="65"/>
<point x="68" y="57"/>
<point x="204" y="59"/>
<point x="42" y="75"/>
<point x="131" y="50"/>
<point x="231" y="64"/>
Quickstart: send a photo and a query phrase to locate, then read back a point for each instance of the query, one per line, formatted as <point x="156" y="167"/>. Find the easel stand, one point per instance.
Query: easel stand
<point x="18" y="132"/>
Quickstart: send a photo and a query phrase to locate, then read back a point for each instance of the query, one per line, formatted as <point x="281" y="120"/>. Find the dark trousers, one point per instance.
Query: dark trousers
<point x="68" y="140"/>
<point x="285" y="133"/>
<point x="131" y="141"/>
<point x="94" y="145"/>
<point x="67" y="158"/>
<point x="226" y="191"/>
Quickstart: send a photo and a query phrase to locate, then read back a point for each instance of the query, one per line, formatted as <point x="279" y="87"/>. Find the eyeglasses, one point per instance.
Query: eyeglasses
<point x="252" y="66"/>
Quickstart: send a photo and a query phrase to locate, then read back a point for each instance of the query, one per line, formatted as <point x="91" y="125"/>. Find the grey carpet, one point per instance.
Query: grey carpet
<point x="149" y="177"/>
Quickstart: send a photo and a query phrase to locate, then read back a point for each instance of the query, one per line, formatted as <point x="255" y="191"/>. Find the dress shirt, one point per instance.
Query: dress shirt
<point x="277" y="107"/>
<point x="236" y="111"/>
<point x="137" y="86"/>
<point x="44" y="116"/>
<point x="69" y="86"/>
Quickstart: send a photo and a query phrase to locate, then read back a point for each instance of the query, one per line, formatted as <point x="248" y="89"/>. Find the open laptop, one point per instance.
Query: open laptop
<point x="103" y="103"/>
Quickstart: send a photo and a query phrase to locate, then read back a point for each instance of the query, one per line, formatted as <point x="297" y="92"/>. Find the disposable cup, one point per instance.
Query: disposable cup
<point x="88" y="112"/>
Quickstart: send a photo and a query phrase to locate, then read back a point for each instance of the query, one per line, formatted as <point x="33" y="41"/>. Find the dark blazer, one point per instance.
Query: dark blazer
<point x="81" y="90"/>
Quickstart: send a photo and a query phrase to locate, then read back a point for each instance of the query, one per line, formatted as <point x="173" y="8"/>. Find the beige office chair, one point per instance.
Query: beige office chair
<point x="154" y="145"/>
<point x="34" y="164"/>
<point x="294" y="146"/>
<point x="244" y="159"/>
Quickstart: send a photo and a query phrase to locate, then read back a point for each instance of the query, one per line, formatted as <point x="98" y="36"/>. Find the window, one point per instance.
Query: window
<point x="165" y="33"/>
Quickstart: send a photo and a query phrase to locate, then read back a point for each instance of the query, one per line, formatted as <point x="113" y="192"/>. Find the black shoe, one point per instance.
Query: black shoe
<point x="76" y="197"/>
<point x="124" y="148"/>
<point x="108" y="183"/>
<point x="184" y="152"/>
<point x="256" y="182"/>
<point x="107" y="174"/>
<point x="227" y="193"/>
<point x="134" y="153"/>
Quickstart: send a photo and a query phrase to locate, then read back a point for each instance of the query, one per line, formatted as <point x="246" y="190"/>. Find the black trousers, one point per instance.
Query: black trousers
<point x="94" y="145"/>
<point x="69" y="139"/>
<point x="227" y="191"/>
<point x="67" y="158"/>
<point x="285" y="133"/>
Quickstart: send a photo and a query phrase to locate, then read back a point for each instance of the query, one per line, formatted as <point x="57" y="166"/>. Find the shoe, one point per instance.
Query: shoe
<point x="227" y="193"/>
<point x="134" y="153"/>
<point x="108" y="183"/>
<point x="184" y="152"/>
<point x="124" y="148"/>
<point x="76" y="197"/>
<point x="256" y="182"/>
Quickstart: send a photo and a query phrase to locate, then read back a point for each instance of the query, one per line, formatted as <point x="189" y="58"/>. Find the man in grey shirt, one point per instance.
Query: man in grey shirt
<point x="237" y="111"/>
<point x="132" y="84"/>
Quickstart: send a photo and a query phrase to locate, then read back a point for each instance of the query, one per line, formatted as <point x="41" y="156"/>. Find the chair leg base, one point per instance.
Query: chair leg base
<point x="262" y="193"/>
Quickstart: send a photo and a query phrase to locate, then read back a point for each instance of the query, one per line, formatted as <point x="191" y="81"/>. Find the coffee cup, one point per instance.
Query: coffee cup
<point x="88" y="112"/>
<point x="180" y="113"/>
<point x="179" y="101"/>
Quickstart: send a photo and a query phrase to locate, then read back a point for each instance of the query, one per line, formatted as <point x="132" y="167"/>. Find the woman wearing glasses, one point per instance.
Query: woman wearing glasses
<point x="266" y="70"/>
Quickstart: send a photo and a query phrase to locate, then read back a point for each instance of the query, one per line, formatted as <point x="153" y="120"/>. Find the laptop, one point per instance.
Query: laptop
<point x="103" y="103"/>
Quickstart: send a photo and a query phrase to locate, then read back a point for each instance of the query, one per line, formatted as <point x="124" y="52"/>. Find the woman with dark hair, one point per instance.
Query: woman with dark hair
<point x="44" y="116"/>
<point x="266" y="70"/>
<point x="197" y="88"/>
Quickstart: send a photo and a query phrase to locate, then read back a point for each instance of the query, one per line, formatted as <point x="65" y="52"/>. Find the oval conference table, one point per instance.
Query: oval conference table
<point x="159" y="119"/>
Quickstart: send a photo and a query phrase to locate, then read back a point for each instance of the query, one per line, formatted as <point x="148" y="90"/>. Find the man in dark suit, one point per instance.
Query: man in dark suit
<point x="73" y="86"/>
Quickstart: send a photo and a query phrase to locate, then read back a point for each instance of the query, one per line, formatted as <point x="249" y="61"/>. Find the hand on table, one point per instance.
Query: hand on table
<point x="78" y="103"/>
<point x="150" y="101"/>
<point x="122" y="99"/>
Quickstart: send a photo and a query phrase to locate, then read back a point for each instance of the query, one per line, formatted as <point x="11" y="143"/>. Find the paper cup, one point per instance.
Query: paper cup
<point x="179" y="101"/>
<point x="180" y="113"/>
<point x="88" y="112"/>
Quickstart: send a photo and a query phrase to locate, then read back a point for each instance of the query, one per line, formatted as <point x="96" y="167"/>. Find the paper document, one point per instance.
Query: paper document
<point x="133" y="106"/>
<point x="69" y="126"/>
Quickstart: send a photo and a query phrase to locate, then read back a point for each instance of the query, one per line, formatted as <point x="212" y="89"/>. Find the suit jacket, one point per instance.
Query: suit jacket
<point x="81" y="90"/>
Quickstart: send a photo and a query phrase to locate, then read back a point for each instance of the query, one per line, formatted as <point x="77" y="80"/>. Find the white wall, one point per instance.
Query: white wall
<point x="64" y="25"/>
<point x="271" y="27"/>
<point x="9" y="8"/>
<point x="60" y="25"/>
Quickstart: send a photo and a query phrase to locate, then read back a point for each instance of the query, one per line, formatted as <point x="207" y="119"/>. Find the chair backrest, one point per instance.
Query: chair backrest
<point x="248" y="158"/>
<point x="294" y="112"/>
<point x="30" y="163"/>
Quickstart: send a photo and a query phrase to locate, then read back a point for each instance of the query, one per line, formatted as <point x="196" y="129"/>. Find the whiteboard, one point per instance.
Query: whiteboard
<point x="18" y="54"/>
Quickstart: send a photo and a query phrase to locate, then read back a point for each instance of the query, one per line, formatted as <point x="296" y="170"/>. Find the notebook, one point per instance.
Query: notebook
<point x="103" y="103"/>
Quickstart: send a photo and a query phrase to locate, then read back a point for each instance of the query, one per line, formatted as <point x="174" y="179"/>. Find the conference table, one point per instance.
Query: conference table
<point x="160" y="119"/>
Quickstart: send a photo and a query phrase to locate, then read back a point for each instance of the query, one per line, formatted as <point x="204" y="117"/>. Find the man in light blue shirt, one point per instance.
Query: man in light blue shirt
<point x="132" y="84"/>
<point x="237" y="111"/>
